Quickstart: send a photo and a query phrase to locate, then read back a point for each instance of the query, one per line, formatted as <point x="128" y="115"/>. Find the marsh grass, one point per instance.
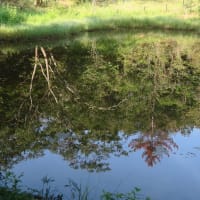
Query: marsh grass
<point x="62" y="21"/>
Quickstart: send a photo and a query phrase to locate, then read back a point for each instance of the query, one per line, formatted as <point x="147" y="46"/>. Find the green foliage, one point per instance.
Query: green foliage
<point x="7" y="194"/>
<point x="9" y="179"/>
<point x="192" y="6"/>
<point x="132" y="195"/>
<point x="75" y="191"/>
<point x="11" y="15"/>
<point x="10" y="188"/>
<point x="46" y="192"/>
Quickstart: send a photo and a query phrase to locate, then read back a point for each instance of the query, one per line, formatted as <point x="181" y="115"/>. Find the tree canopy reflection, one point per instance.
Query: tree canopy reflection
<point x="102" y="86"/>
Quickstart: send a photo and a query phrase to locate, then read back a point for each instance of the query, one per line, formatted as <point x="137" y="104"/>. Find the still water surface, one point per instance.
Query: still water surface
<point x="111" y="112"/>
<point x="168" y="178"/>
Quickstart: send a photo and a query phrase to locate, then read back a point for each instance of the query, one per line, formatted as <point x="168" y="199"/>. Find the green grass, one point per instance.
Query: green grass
<point x="56" y="22"/>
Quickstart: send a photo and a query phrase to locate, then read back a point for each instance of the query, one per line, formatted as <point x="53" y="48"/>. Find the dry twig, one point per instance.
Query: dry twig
<point x="45" y="71"/>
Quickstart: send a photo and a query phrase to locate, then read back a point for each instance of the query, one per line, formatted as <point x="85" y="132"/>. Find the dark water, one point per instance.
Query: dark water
<point x="110" y="112"/>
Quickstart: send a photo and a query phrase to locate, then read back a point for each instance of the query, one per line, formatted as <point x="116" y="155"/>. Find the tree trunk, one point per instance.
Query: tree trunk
<point x="38" y="2"/>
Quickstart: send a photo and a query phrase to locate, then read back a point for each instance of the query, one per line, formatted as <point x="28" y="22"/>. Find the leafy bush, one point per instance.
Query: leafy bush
<point x="10" y="15"/>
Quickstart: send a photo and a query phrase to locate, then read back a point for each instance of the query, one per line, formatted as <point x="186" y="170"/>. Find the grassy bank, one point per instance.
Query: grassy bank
<point x="59" y="21"/>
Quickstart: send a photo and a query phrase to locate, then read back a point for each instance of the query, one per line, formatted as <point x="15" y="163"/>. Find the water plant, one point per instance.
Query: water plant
<point x="132" y="195"/>
<point x="10" y="189"/>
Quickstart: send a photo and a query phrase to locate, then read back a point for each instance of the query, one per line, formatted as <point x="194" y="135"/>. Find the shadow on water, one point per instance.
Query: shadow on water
<point x="87" y="97"/>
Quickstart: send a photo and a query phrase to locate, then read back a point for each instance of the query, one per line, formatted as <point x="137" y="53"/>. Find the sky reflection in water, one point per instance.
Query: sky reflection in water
<point x="166" y="179"/>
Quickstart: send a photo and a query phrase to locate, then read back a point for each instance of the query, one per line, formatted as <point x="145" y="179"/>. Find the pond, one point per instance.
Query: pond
<point x="111" y="112"/>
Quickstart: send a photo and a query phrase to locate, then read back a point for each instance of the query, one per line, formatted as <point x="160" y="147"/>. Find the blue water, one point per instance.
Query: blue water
<point x="176" y="176"/>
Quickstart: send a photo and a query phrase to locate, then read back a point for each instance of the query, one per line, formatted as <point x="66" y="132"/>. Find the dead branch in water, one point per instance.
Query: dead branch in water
<point x="92" y="107"/>
<point x="33" y="74"/>
<point x="46" y="70"/>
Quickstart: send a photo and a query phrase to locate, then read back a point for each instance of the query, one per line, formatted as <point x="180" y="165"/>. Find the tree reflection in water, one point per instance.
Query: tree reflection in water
<point x="154" y="146"/>
<point x="101" y="87"/>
